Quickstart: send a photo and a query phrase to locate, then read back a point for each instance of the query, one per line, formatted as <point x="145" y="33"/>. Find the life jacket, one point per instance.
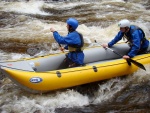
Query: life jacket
<point x="75" y="47"/>
<point x="129" y="37"/>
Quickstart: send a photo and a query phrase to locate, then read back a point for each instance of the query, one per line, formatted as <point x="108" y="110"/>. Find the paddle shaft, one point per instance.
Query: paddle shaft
<point x="129" y="60"/>
<point x="111" y="50"/>
<point x="59" y="45"/>
<point x="114" y="51"/>
<point x="61" y="48"/>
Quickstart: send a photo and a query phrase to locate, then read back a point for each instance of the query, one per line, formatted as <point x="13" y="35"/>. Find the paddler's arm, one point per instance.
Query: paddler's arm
<point x="53" y="30"/>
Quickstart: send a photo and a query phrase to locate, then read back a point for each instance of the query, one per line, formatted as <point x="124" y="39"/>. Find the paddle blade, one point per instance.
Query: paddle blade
<point x="137" y="64"/>
<point x="129" y="63"/>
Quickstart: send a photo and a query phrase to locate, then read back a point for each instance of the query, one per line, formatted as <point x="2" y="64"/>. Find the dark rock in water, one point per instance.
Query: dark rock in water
<point x="134" y="94"/>
<point x="147" y="5"/>
<point x="134" y="98"/>
<point x="58" y="0"/>
<point x="88" y="89"/>
<point x="126" y="0"/>
<point x="15" y="0"/>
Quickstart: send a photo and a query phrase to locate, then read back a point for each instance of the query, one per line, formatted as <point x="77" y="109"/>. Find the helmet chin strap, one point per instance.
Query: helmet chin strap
<point x="70" y="29"/>
<point x="126" y="29"/>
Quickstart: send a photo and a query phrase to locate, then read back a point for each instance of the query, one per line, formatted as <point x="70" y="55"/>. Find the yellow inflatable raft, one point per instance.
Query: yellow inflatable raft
<point x="46" y="73"/>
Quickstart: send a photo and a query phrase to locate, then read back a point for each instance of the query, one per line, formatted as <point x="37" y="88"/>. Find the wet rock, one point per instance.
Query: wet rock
<point x="22" y="18"/>
<point x="126" y="0"/>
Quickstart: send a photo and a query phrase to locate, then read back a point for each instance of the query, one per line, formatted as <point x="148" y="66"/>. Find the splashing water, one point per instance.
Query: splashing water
<point x="26" y="24"/>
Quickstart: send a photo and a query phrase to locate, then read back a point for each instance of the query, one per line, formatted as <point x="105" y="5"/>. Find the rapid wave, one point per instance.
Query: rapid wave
<point x="25" y="24"/>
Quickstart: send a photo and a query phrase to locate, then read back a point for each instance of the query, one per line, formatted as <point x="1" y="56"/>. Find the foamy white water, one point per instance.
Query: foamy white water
<point x="29" y="23"/>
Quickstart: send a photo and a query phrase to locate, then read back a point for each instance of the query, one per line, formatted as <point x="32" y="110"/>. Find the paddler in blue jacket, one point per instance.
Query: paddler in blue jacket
<point x="135" y="37"/>
<point x="74" y="43"/>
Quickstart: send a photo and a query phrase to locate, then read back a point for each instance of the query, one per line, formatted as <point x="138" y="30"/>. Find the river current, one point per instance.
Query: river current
<point x="25" y="24"/>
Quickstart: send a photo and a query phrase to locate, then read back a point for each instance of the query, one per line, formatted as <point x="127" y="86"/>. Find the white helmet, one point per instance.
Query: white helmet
<point x="124" y="23"/>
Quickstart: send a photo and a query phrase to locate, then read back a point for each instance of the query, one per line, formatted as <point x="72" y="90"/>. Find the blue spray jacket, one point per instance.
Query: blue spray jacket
<point x="136" y="38"/>
<point x="72" y="38"/>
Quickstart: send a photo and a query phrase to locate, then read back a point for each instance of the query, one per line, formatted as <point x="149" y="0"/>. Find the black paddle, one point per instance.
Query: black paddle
<point x="129" y="60"/>
<point x="61" y="48"/>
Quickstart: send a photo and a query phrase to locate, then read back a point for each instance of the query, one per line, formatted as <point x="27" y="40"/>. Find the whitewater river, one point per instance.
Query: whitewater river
<point x="25" y="24"/>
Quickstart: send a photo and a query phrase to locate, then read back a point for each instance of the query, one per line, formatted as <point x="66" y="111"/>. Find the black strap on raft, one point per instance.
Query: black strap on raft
<point x="132" y="30"/>
<point x="78" y="47"/>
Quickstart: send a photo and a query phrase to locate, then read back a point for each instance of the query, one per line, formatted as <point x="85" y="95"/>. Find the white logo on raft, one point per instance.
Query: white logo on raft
<point x="36" y="80"/>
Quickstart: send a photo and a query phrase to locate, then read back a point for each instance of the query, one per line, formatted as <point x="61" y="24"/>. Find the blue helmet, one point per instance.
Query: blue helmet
<point x="72" y="22"/>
